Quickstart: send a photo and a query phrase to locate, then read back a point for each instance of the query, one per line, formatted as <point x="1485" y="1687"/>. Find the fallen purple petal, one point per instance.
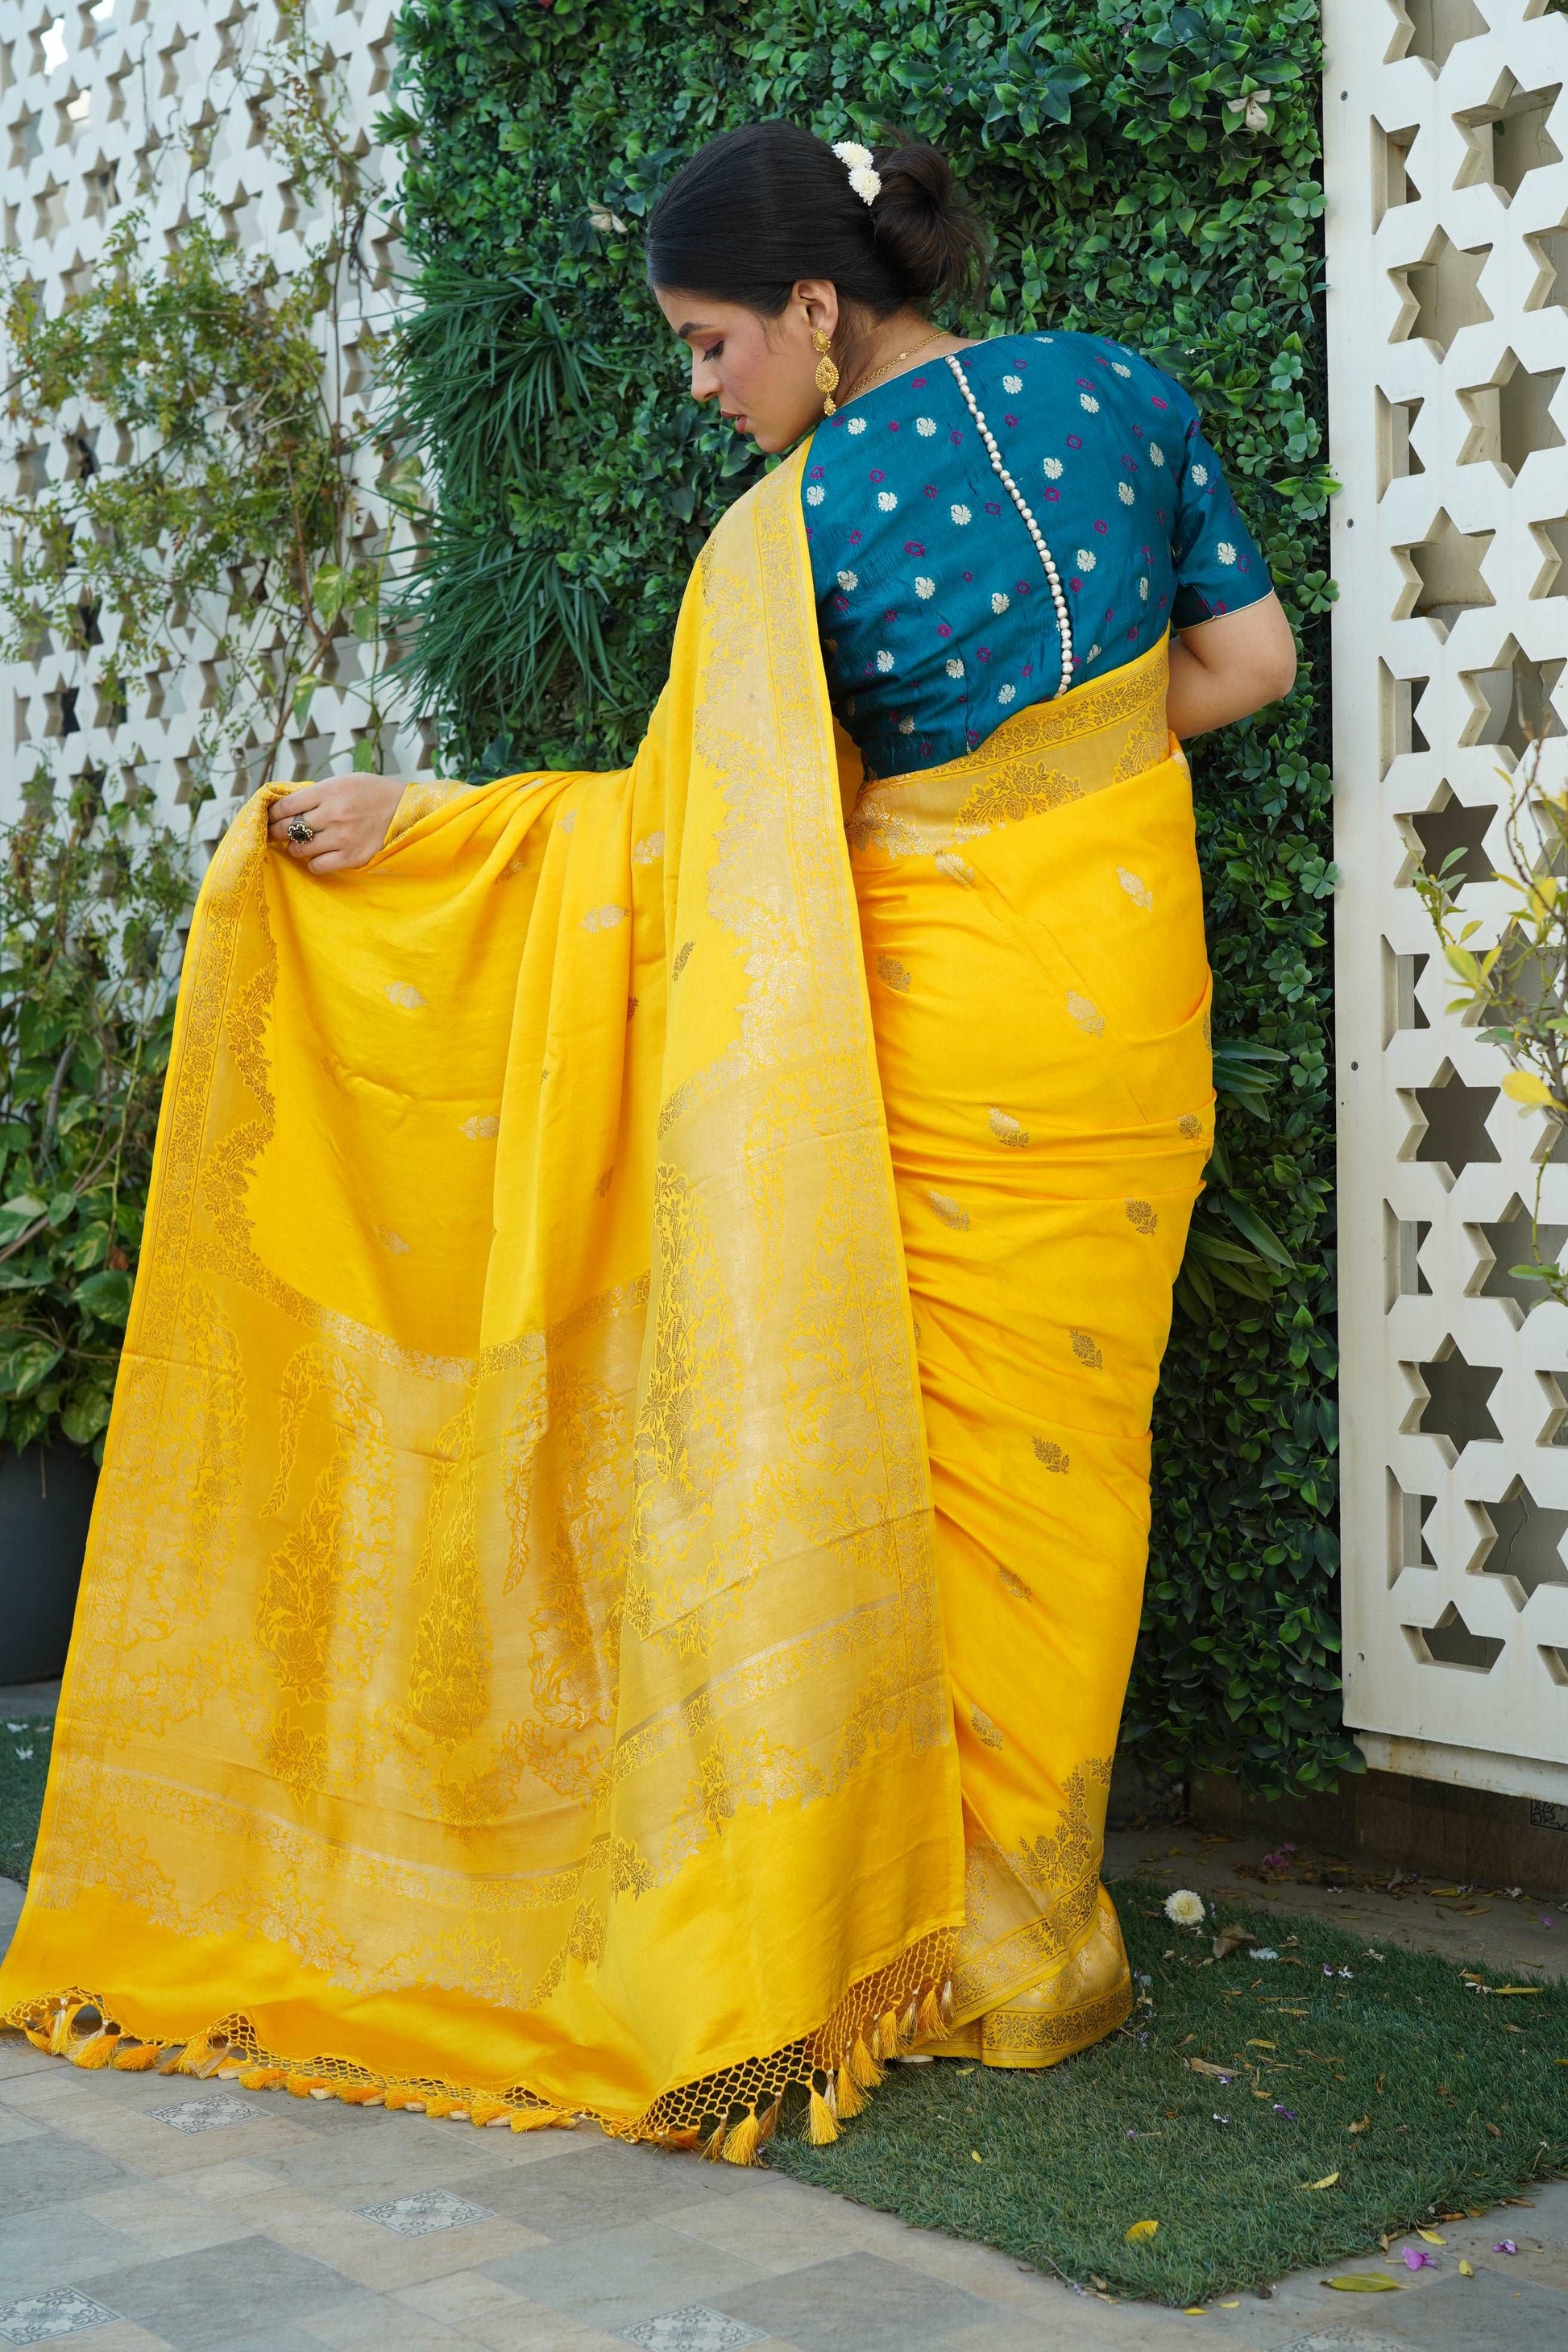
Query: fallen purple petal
<point x="1289" y="2113"/>
<point x="1505" y="2246"/>
<point x="1417" y="2259"/>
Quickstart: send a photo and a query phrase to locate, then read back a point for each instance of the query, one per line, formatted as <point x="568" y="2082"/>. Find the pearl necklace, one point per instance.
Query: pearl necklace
<point x="1064" y="619"/>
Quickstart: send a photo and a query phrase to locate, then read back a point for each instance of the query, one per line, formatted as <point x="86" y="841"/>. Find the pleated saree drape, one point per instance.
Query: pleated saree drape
<point x="510" y="1672"/>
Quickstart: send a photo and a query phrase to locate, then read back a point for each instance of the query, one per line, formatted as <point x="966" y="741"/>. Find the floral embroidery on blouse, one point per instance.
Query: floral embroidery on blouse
<point x="935" y="612"/>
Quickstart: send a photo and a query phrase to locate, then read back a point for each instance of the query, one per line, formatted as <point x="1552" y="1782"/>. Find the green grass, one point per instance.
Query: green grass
<point x="1127" y="2132"/>
<point x="24" y="1767"/>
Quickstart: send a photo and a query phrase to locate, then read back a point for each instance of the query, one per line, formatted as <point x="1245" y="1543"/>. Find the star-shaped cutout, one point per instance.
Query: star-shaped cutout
<point x="1455" y="1406"/>
<point x="1450" y="1643"/>
<point x="1526" y="1544"/>
<point x="1513" y="701"/>
<point x="1455" y="1132"/>
<point x="1510" y="415"/>
<point x="1442" y="293"/>
<point x="1507" y="1244"/>
<point x="1443" y="572"/>
<point x="1508" y="137"/>
<point x="1455" y="830"/>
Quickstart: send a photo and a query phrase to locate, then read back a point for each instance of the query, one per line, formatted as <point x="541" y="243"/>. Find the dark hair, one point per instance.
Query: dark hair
<point x="759" y="208"/>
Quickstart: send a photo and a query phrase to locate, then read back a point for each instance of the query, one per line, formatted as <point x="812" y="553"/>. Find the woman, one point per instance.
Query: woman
<point x="620" y="1540"/>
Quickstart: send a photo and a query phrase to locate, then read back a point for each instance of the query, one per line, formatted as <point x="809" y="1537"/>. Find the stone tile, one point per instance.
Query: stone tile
<point x="153" y="2149"/>
<point x="693" y="2329"/>
<point x="395" y="2157"/>
<point x="50" y="2170"/>
<point x="481" y="2311"/>
<point x="383" y="2325"/>
<point x="861" y="2300"/>
<point x="158" y="2219"/>
<point x="193" y="2301"/>
<point x="603" y="2185"/>
<point x="15" y="2127"/>
<point x="57" y="2245"/>
<point x="17" y="2055"/>
<point x="770" y="2238"/>
<point x="614" y="2277"/>
<point x="220" y="2184"/>
<point x="124" y="2336"/>
<point x="375" y="2257"/>
<point x="426" y="2211"/>
<point x="1489" y="2313"/>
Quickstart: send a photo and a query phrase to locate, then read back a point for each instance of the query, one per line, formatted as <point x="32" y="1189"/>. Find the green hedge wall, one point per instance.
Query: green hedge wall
<point x="1106" y="143"/>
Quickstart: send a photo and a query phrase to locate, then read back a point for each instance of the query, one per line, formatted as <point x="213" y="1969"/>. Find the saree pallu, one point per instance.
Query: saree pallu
<point x="509" y="1674"/>
<point x="1032" y="929"/>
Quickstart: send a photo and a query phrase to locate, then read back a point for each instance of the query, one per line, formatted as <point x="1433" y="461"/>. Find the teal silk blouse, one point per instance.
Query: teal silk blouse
<point x="935" y="612"/>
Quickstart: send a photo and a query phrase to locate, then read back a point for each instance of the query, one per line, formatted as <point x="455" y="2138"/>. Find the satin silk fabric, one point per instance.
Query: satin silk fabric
<point x="510" y="1658"/>
<point x="1034" y="941"/>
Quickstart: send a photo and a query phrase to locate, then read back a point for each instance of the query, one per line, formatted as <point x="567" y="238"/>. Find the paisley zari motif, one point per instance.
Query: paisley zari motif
<point x="510" y="1675"/>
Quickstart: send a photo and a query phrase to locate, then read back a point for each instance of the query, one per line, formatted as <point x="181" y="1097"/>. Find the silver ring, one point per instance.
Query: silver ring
<point x="299" y="830"/>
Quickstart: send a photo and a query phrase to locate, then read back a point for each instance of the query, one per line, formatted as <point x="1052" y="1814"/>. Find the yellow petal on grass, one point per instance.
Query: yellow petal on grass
<point x="1364" y="2283"/>
<point x="1524" y="1087"/>
<point x="1141" y="2230"/>
<point x="1327" y="2181"/>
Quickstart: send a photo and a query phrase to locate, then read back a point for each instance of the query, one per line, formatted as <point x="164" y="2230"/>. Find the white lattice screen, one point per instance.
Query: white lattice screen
<point x="1446" y="128"/>
<point x="91" y="98"/>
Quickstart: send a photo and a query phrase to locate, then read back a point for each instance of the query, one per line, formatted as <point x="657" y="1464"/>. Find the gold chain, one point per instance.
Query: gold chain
<point x="888" y="366"/>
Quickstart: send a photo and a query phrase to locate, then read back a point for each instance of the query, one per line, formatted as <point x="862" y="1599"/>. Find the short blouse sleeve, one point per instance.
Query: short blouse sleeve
<point x="1217" y="566"/>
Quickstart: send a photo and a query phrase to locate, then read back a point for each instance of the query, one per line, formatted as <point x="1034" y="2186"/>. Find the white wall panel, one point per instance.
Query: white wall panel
<point x="92" y="97"/>
<point x="1446" y="125"/>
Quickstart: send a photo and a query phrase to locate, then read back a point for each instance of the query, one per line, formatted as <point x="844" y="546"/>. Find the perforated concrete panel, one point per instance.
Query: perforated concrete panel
<point x="91" y="99"/>
<point x="1447" y="129"/>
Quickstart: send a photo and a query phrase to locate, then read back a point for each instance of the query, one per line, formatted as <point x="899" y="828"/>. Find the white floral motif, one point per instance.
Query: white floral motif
<point x="1125" y="492"/>
<point x="999" y="603"/>
<point x="815" y="494"/>
<point x="1053" y="468"/>
<point x="1092" y="654"/>
<point x="955" y="668"/>
<point x="1087" y="400"/>
<point x="906" y="726"/>
<point x="925" y="426"/>
<point x="925" y="587"/>
<point x="1144" y="590"/>
<point x="1156" y="455"/>
<point x="847" y="580"/>
<point x="1117" y="368"/>
<point x="1012" y="384"/>
<point x="1199" y="474"/>
<point x="886" y="500"/>
<point x="1086" y="558"/>
<point x="1225" y="552"/>
<point x="857" y="425"/>
<point x="1005" y="693"/>
<point x="884" y="660"/>
<point x="959" y="514"/>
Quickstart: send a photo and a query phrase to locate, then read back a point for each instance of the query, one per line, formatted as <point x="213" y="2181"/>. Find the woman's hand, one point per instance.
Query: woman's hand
<point x="1227" y="669"/>
<point x="348" y="817"/>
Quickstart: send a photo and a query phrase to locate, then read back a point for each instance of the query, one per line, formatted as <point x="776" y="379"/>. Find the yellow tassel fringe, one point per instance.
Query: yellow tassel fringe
<point x="546" y="2120"/>
<point x="137" y="2057"/>
<point x="848" y="2098"/>
<point x="741" y="2147"/>
<point x="864" y="2067"/>
<point x="821" y="2130"/>
<point x="98" y="2050"/>
<point x="931" y="2025"/>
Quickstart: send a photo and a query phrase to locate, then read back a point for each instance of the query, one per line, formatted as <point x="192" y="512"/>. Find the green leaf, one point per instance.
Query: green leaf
<point x="26" y="1361"/>
<point x="106" y="1295"/>
<point x="17" y="1214"/>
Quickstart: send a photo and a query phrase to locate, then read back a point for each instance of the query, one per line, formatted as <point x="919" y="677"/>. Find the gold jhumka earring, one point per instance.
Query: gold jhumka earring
<point x="826" y="374"/>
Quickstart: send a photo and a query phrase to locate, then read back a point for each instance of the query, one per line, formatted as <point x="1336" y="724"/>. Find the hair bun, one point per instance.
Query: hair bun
<point x="933" y="238"/>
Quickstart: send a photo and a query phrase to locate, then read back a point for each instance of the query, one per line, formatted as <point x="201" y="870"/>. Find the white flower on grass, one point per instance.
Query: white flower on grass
<point x="1005" y="693"/>
<point x="886" y="500"/>
<point x="847" y="580"/>
<point x="1186" y="1909"/>
<point x="1117" y="368"/>
<point x="1225" y="552"/>
<point x="999" y="603"/>
<point x="884" y="660"/>
<point x="925" y="587"/>
<point x="1264" y="1952"/>
<point x="1200" y="475"/>
<point x="959" y="514"/>
<point x="955" y="668"/>
<point x="1012" y="384"/>
<point x="815" y="495"/>
<point x="1087" y="400"/>
<point x="1086" y="558"/>
<point x="925" y="426"/>
<point x="857" y="425"/>
<point x="1156" y="455"/>
<point x="1053" y="468"/>
<point x="1125" y="492"/>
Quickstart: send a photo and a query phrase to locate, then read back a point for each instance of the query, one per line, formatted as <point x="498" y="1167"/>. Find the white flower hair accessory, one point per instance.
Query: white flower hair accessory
<point x="857" y="160"/>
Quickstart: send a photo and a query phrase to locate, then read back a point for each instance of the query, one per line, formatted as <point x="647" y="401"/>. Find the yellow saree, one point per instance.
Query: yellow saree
<point x="510" y="1677"/>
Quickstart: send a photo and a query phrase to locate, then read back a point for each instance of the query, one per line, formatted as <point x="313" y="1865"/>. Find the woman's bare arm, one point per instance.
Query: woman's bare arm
<point x="1225" y="670"/>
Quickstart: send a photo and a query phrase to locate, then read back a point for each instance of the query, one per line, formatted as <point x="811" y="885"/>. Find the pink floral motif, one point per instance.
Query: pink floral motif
<point x="1075" y="584"/>
<point x="931" y="489"/>
<point x="993" y="506"/>
<point x="942" y="629"/>
<point x="877" y="474"/>
<point x="1102" y="528"/>
<point x="1009" y="420"/>
<point x="968" y="576"/>
<point x="1075" y="441"/>
<point x="856" y="537"/>
<point x="1155" y="401"/>
<point x="914" y="547"/>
